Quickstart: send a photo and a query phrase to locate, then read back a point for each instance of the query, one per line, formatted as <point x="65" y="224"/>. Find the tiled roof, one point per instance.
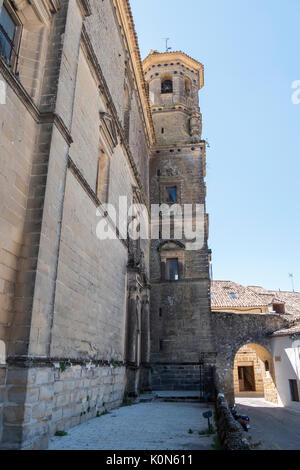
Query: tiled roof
<point x="221" y="291"/>
<point x="253" y="296"/>
<point x="294" y="329"/>
<point x="291" y="299"/>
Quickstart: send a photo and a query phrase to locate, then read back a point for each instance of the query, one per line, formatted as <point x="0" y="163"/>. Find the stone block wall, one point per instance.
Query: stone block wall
<point x="63" y="292"/>
<point x="175" y="377"/>
<point x="38" y="402"/>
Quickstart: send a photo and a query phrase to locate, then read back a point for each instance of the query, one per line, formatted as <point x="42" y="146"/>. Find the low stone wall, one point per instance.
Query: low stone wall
<point x="38" y="401"/>
<point x="230" y="432"/>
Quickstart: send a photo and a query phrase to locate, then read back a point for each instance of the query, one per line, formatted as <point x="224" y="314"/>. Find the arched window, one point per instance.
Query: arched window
<point x="2" y="352"/>
<point x="103" y="176"/>
<point x="167" y="86"/>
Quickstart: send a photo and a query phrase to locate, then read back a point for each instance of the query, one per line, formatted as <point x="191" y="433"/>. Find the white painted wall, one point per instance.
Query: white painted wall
<point x="288" y="368"/>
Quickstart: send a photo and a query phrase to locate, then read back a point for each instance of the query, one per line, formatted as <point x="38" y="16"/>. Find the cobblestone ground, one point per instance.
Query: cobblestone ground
<point x="145" y="426"/>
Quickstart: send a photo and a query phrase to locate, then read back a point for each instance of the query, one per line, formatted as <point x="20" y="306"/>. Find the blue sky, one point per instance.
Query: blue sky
<point x="250" y="50"/>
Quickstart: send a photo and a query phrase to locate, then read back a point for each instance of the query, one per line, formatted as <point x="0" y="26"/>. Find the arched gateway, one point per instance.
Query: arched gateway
<point x="242" y="341"/>
<point x="254" y="373"/>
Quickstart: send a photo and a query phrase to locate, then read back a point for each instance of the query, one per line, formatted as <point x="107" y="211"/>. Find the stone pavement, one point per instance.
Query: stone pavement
<point x="274" y="427"/>
<point x="156" y="425"/>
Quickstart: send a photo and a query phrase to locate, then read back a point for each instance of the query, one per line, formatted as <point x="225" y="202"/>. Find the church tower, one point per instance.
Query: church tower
<point x="182" y="350"/>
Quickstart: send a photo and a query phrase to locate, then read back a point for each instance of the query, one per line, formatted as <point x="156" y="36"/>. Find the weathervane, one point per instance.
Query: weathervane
<point x="167" y="47"/>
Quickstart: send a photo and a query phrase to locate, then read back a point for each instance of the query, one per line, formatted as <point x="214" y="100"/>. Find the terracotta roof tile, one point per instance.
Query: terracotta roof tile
<point x="221" y="291"/>
<point x="290" y="299"/>
<point x="294" y="329"/>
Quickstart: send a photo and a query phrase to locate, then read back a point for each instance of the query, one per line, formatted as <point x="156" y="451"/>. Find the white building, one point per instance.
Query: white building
<point x="286" y="355"/>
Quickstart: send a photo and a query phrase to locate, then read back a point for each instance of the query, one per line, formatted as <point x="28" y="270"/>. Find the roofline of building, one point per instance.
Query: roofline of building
<point x="192" y="63"/>
<point x="287" y="332"/>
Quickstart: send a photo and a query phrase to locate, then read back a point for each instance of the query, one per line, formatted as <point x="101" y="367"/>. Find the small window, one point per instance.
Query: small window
<point x="160" y="312"/>
<point x="167" y="86"/>
<point x="162" y="130"/>
<point x="171" y="195"/>
<point x="161" y="345"/>
<point x="233" y="295"/>
<point x="7" y="34"/>
<point x="212" y="296"/>
<point x="172" y="269"/>
<point x="267" y="366"/>
<point x="294" y="390"/>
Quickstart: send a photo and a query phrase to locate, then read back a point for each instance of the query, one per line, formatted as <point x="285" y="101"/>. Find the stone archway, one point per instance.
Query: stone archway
<point x="232" y="332"/>
<point x="253" y="372"/>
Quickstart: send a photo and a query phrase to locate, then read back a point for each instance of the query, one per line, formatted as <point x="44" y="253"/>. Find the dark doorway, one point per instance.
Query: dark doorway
<point x="246" y="379"/>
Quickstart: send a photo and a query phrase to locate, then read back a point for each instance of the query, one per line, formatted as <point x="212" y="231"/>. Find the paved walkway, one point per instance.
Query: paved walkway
<point x="145" y="426"/>
<point x="274" y="427"/>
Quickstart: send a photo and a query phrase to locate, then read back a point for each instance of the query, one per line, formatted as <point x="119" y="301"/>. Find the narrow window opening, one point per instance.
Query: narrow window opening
<point x="172" y="269"/>
<point x="187" y="87"/>
<point x="171" y="194"/>
<point x="294" y="390"/>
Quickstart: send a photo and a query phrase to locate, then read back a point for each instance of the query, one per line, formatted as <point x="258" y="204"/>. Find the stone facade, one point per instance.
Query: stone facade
<point x="75" y="134"/>
<point x="83" y="320"/>
<point x="181" y="335"/>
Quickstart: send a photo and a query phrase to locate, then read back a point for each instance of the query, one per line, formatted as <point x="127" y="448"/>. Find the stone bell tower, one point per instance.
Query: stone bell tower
<point x="182" y="350"/>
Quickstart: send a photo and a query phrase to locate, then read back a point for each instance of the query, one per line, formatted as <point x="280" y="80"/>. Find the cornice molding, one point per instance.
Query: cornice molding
<point x="125" y="19"/>
<point x="44" y="9"/>
<point x="155" y="58"/>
